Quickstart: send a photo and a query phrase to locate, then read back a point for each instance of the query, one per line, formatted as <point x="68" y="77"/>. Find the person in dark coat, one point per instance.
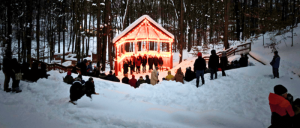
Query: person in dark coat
<point x="132" y="81"/>
<point x="25" y="70"/>
<point x="282" y="110"/>
<point x="147" y="79"/>
<point x="213" y="64"/>
<point x="138" y="64"/>
<point x="140" y="81"/>
<point x="199" y="68"/>
<point x="224" y="62"/>
<point x="125" y="66"/>
<point x="133" y="60"/>
<point x="160" y="63"/>
<point x="68" y="78"/>
<point x="110" y="76"/>
<point x="81" y="80"/>
<point x="83" y="67"/>
<point x="144" y="63"/>
<point x="7" y="70"/>
<point x="34" y="72"/>
<point x="16" y="75"/>
<point x="155" y="61"/>
<point x="43" y="71"/>
<point x="76" y="91"/>
<point x="242" y="61"/>
<point x="125" y="79"/>
<point x="246" y="60"/>
<point x="150" y="62"/>
<point x="189" y="74"/>
<point x="90" y="88"/>
<point x="275" y="64"/>
<point x="89" y="69"/>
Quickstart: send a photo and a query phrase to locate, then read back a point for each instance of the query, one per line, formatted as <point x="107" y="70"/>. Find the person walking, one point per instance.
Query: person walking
<point x="275" y="64"/>
<point x="224" y="62"/>
<point x="199" y="68"/>
<point x="213" y="64"/>
<point x="7" y="70"/>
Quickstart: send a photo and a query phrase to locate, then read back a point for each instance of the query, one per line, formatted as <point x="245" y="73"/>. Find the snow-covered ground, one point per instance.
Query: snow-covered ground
<point x="239" y="100"/>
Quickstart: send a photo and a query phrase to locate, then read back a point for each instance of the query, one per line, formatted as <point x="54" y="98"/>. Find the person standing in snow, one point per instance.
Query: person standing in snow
<point x="275" y="64"/>
<point x="83" y="67"/>
<point x="224" y="62"/>
<point x="125" y="66"/>
<point x="144" y="63"/>
<point x="155" y="61"/>
<point x="16" y="75"/>
<point x="242" y="61"/>
<point x="179" y="76"/>
<point x="213" y="64"/>
<point x="154" y="76"/>
<point x="76" y="91"/>
<point x="132" y="81"/>
<point x="199" y="68"/>
<point x="160" y="63"/>
<point x="125" y="80"/>
<point x="138" y="64"/>
<point x="90" y="88"/>
<point x="282" y="110"/>
<point x="150" y="62"/>
<point x="7" y="70"/>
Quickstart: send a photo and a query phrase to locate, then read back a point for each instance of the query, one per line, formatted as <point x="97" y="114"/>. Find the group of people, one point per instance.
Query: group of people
<point x="242" y="62"/>
<point x="13" y="69"/>
<point x="135" y="63"/>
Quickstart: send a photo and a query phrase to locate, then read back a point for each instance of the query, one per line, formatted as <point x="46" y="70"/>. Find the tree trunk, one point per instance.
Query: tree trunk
<point x="227" y="5"/>
<point x="181" y="30"/>
<point x="9" y="28"/>
<point x="28" y="32"/>
<point x="38" y="31"/>
<point x="99" y="51"/>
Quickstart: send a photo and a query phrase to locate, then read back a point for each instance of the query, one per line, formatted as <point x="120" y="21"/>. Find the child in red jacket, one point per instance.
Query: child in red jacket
<point x="281" y="108"/>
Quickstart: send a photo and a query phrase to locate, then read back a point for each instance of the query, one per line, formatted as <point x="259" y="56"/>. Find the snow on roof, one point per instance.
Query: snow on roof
<point x="137" y="22"/>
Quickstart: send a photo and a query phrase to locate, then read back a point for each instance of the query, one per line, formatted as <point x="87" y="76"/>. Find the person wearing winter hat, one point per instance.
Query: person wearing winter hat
<point x="169" y="76"/>
<point x="275" y="64"/>
<point x="68" y="78"/>
<point x="199" y="68"/>
<point x="132" y="81"/>
<point x="213" y="64"/>
<point x="281" y="108"/>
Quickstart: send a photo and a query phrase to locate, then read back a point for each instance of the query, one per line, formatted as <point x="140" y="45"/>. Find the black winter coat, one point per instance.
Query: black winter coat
<point x="125" y="80"/>
<point x="144" y="60"/>
<point x="76" y="91"/>
<point x="213" y="61"/>
<point x="125" y="66"/>
<point x="189" y="75"/>
<point x="155" y="60"/>
<point x="199" y="64"/>
<point x="147" y="81"/>
<point x="160" y="61"/>
<point x="89" y="88"/>
<point x="150" y="61"/>
<point x="83" y="68"/>
<point x="7" y="67"/>
<point x="224" y="61"/>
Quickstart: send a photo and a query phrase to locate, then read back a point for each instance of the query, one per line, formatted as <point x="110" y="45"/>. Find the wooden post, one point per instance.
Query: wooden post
<point x="158" y="46"/>
<point x="116" y="61"/>
<point x="171" y="57"/>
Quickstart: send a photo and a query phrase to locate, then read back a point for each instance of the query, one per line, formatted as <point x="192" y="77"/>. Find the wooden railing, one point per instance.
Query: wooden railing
<point x="234" y="51"/>
<point x="53" y="66"/>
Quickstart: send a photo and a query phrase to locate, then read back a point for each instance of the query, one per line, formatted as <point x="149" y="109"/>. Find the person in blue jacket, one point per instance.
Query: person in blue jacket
<point x="275" y="64"/>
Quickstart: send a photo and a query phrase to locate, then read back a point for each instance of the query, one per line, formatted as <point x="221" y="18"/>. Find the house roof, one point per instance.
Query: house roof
<point x="143" y="28"/>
